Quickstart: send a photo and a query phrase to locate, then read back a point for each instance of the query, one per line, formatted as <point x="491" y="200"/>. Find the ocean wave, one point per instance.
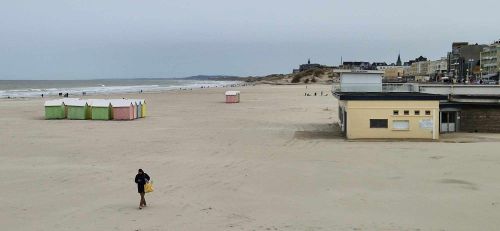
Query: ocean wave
<point x="101" y="89"/>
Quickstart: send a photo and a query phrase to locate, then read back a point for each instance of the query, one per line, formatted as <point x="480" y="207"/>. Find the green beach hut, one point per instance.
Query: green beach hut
<point x="100" y="109"/>
<point x="77" y="109"/>
<point x="54" y="109"/>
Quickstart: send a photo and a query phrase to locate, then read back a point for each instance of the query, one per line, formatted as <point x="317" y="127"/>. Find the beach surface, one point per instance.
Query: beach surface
<point x="275" y="161"/>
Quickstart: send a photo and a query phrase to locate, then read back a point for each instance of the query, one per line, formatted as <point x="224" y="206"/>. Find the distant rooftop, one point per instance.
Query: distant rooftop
<point x="388" y="96"/>
<point x="359" y="71"/>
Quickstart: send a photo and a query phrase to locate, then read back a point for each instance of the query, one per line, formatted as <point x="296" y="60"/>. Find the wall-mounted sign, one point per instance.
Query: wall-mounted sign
<point x="426" y="123"/>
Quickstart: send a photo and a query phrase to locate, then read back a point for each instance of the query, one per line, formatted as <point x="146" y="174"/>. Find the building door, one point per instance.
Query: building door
<point x="448" y="121"/>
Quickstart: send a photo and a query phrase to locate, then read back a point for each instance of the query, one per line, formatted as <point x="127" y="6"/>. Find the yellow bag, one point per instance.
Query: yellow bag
<point x="148" y="187"/>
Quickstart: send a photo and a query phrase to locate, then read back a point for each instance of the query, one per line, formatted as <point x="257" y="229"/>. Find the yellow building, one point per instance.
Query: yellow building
<point x="393" y="73"/>
<point x="383" y="115"/>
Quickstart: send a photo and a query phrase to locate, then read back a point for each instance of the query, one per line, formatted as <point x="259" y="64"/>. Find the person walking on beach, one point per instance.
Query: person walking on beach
<point x="141" y="179"/>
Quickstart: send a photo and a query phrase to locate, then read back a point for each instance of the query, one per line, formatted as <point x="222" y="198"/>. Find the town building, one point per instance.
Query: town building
<point x="309" y="66"/>
<point x="438" y="69"/>
<point x="395" y="73"/>
<point x="376" y="65"/>
<point x="464" y="60"/>
<point x="398" y="63"/>
<point x="418" y="71"/>
<point x="490" y="60"/>
<point x="419" y="59"/>
<point x="356" y="65"/>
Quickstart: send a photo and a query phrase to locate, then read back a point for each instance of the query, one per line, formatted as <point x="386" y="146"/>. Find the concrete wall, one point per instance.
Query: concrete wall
<point x="359" y="114"/>
<point x="480" y="119"/>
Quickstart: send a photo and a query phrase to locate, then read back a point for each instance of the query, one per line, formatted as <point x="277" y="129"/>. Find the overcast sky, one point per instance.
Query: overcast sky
<point x="80" y="39"/>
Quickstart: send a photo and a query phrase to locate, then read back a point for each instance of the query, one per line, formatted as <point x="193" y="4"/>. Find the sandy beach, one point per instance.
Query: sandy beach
<point x="272" y="162"/>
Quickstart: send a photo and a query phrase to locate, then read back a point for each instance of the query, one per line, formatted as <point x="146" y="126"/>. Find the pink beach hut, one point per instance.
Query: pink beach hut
<point x="135" y="105"/>
<point x="232" y="96"/>
<point x="122" y="109"/>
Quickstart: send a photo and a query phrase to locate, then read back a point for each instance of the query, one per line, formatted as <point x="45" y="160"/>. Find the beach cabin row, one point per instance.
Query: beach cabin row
<point x="232" y="96"/>
<point x="95" y="109"/>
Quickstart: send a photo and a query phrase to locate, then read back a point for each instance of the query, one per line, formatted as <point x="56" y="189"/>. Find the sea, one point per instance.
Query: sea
<point x="35" y="88"/>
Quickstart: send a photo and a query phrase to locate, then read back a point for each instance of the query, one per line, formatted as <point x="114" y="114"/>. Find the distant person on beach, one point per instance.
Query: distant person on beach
<point x="141" y="179"/>
<point x="42" y="95"/>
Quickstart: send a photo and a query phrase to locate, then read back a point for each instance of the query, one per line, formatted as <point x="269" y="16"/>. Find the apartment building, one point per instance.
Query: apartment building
<point x="490" y="59"/>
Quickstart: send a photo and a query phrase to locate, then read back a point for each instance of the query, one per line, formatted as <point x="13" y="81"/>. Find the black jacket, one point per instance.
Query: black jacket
<point x="141" y="179"/>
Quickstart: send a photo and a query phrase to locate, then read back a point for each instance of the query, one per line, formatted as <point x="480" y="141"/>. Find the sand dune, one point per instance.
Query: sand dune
<point x="272" y="162"/>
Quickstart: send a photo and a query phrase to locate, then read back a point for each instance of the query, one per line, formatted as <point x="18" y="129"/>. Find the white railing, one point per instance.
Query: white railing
<point x="441" y="89"/>
<point x="399" y="87"/>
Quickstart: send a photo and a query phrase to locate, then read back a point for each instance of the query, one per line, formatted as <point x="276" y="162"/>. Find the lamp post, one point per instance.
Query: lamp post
<point x="455" y="70"/>
<point x="470" y="68"/>
<point x="467" y="77"/>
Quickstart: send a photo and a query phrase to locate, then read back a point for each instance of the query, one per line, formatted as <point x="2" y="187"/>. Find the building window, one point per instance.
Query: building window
<point x="417" y="112"/>
<point x="395" y="112"/>
<point x="427" y="112"/>
<point x="378" y="123"/>
<point x="407" y="112"/>
<point x="401" y="125"/>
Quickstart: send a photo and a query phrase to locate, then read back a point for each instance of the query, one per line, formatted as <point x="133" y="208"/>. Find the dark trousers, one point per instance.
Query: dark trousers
<point x="143" y="200"/>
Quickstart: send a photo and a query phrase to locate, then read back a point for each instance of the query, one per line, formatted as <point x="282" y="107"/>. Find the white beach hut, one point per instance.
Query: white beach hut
<point x="232" y="96"/>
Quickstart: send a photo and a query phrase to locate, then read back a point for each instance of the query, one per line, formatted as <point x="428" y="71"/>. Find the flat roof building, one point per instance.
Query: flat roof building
<point x="389" y="115"/>
<point x="360" y="81"/>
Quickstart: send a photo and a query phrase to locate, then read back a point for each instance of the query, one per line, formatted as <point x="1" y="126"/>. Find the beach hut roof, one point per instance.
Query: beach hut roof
<point x="141" y="101"/>
<point x="120" y="103"/>
<point x="232" y="92"/>
<point x="79" y="103"/>
<point x="66" y="100"/>
<point x="56" y="102"/>
<point x="99" y="103"/>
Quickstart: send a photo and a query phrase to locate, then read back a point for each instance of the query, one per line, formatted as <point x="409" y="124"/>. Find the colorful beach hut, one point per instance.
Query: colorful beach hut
<point x="134" y="104"/>
<point x="232" y="96"/>
<point x="140" y="103"/>
<point x="100" y="109"/>
<point x="77" y="109"/>
<point x="122" y="109"/>
<point x="143" y="108"/>
<point x="55" y="109"/>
